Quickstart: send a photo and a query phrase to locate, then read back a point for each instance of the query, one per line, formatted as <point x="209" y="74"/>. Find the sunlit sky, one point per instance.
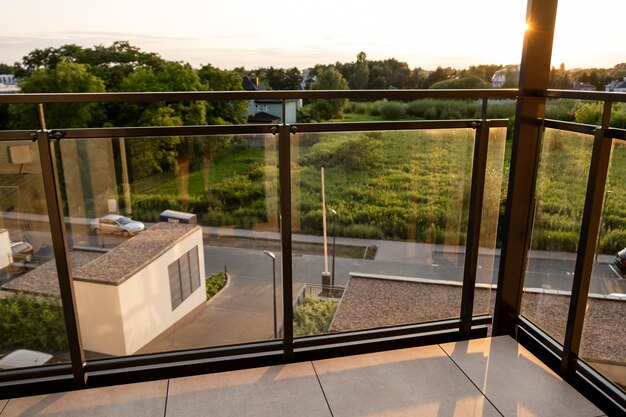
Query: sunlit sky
<point x="283" y="33"/>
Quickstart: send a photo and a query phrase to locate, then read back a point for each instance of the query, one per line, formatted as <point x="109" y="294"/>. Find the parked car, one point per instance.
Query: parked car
<point x="22" y="358"/>
<point x="21" y="251"/>
<point x="116" y="224"/>
<point x="620" y="260"/>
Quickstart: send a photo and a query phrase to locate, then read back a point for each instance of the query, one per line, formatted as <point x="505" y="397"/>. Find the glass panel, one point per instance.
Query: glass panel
<point x="604" y="337"/>
<point x="493" y="205"/>
<point x="32" y="326"/>
<point x="560" y="199"/>
<point x="396" y="222"/>
<point x="163" y="185"/>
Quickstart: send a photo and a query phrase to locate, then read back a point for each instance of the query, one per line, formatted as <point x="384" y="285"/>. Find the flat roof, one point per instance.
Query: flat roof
<point x="44" y="279"/>
<point x="111" y="268"/>
<point x="122" y="262"/>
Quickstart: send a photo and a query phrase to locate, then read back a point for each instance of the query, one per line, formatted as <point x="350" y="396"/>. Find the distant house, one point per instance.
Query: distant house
<point x="580" y="86"/>
<point x="499" y="78"/>
<point x="506" y="76"/>
<point x="267" y="110"/>
<point x="617" y="86"/>
<point x="8" y="84"/>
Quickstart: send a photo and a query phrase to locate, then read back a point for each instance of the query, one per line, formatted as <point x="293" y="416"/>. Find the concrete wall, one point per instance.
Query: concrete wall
<point x="5" y="249"/>
<point x="100" y="317"/>
<point x="145" y="299"/>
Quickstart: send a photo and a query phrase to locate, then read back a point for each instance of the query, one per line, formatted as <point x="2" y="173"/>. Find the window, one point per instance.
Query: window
<point x="184" y="277"/>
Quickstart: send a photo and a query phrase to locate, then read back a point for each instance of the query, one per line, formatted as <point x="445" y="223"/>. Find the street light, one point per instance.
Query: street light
<point x="271" y="255"/>
<point x="332" y="281"/>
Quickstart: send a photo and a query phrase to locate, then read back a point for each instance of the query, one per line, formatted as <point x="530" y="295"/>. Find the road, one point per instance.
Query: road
<point x="542" y="272"/>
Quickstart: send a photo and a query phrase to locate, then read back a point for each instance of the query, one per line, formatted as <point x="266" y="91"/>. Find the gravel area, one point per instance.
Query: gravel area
<point x="123" y="261"/>
<point x="370" y="303"/>
<point x="604" y="333"/>
<point x="43" y="280"/>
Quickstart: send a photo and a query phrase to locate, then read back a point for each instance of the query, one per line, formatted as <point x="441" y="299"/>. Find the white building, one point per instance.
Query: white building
<point x="128" y="296"/>
<point x="499" y="78"/>
<point x="8" y="84"/>
<point x="268" y="111"/>
<point x="617" y="86"/>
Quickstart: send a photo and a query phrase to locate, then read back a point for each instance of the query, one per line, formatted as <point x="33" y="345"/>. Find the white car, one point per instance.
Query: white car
<point x="116" y="224"/>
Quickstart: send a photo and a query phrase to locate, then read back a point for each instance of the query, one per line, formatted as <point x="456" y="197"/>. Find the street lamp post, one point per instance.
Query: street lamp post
<point x="271" y="255"/>
<point x="332" y="279"/>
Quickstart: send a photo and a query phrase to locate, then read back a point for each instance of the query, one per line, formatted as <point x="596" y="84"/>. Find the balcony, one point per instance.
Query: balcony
<point x="319" y="241"/>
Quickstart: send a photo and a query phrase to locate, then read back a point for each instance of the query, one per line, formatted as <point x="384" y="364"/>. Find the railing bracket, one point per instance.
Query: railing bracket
<point x="56" y="134"/>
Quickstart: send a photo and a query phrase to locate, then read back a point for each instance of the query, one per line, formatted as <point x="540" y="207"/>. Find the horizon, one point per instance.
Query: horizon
<point x="245" y="35"/>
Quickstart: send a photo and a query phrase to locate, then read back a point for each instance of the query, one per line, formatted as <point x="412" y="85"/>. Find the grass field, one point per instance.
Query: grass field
<point x="411" y="185"/>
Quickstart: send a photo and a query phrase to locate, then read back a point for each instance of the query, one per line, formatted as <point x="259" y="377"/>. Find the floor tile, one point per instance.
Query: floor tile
<point x="134" y="400"/>
<point x="2" y="404"/>
<point x="276" y="391"/>
<point x="409" y="382"/>
<point x="516" y="382"/>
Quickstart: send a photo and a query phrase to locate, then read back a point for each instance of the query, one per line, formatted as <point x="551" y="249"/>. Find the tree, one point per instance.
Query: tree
<point x="66" y="77"/>
<point x="439" y="74"/>
<point x="360" y="78"/>
<point x="223" y="112"/>
<point x="281" y="79"/>
<point x="328" y="79"/>
<point x="468" y="82"/>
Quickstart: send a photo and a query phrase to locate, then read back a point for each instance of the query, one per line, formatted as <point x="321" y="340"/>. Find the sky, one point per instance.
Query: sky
<point x="288" y="33"/>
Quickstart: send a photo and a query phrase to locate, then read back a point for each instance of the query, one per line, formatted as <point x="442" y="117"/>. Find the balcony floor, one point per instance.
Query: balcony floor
<point x="485" y="377"/>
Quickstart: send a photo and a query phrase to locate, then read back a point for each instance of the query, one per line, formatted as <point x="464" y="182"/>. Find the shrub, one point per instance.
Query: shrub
<point x="313" y="317"/>
<point x="392" y="110"/>
<point x="215" y="283"/>
<point x="29" y="322"/>
<point x="613" y="241"/>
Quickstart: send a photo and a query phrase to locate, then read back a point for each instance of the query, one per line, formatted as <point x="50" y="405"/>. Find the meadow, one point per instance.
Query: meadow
<point x="401" y="185"/>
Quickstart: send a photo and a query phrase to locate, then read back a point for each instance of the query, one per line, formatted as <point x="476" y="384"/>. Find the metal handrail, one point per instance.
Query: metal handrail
<point x="37" y="98"/>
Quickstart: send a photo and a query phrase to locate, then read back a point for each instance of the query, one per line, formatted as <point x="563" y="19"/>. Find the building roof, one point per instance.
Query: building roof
<point x="44" y="279"/>
<point x="113" y="267"/>
<point x="252" y="84"/>
<point x="263" y="117"/>
<point x="125" y="260"/>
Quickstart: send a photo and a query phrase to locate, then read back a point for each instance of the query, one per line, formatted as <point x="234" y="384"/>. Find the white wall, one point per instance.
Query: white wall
<point x="100" y="317"/>
<point x="5" y="249"/>
<point x="145" y="299"/>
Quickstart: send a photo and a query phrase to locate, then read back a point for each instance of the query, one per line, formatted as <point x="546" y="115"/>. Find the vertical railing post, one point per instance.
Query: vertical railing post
<point x="592" y="216"/>
<point x="472" y="244"/>
<point x="284" y="175"/>
<point x="61" y="254"/>
<point x="534" y="75"/>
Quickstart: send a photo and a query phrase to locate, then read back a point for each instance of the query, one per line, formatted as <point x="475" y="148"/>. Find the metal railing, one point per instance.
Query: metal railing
<point x="47" y="140"/>
<point x="285" y="350"/>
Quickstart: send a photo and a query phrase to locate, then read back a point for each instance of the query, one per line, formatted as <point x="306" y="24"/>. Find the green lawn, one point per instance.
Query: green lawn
<point x="411" y="185"/>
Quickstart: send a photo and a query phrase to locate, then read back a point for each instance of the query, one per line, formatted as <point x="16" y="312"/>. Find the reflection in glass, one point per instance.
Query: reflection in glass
<point x="604" y="338"/>
<point x="493" y="205"/>
<point x="31" y="318"/>
<point x="560" y="199"/>
<point x="401" y="201"/>
<point x="189" y="270"/>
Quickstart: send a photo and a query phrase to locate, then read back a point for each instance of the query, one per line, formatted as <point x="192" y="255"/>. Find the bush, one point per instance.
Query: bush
<point x="612" y="242"/>
<point x="215" y="283"/>
<point x="313" y="317"/>
<point x="29" y="322"/>
<point x="392" y="110"/>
